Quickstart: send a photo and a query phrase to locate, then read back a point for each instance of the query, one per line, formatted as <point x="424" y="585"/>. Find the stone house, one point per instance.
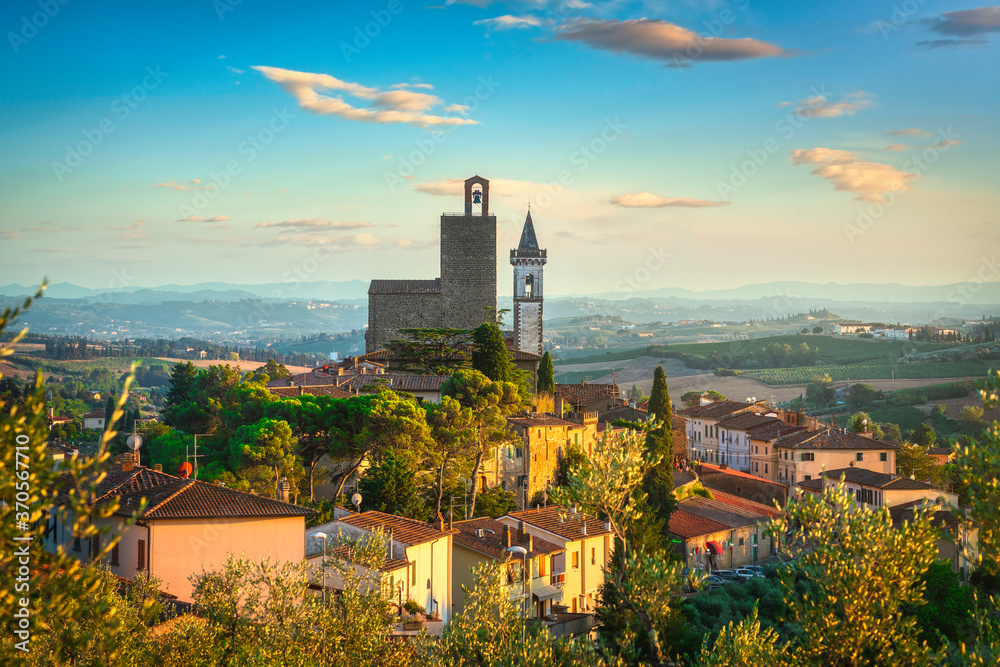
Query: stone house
<point x="722" y="532"/>
<point x="703" y="426"/>
<point x="873" y="489"/>
<point x="804" y="455"/>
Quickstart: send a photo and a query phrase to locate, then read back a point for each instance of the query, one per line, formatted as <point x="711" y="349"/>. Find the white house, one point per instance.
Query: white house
<point x="94" y="421"/>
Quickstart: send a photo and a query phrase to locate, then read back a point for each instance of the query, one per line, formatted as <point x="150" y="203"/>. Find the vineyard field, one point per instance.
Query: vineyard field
<point x="780" y="377"/>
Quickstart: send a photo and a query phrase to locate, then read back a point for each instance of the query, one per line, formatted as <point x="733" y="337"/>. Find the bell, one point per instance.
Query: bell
<point x="477" y="197"/>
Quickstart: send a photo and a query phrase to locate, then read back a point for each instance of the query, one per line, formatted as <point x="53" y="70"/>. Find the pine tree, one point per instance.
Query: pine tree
<point x="546" y="375"/>
<point x="489" y="355"/>
<point x="390" y="486"/>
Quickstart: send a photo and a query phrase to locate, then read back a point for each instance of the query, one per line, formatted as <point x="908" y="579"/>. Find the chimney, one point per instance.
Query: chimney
<point x="126" y="462"/>
<point x="158" y="467"/>
<point x="291" y="383"/>
<point x="531" y="542"/>
<point x="520" y="531"/>
<point x="451" y="521"/>
<point x="583" y="527"/>
<point x="558" y="405"/>
<point x="389" y="536"/>
<point x="355" y="360"/>
<point x="283" y="487"/>
<point x="439" y="522"/>
<point x="505" y="537"/>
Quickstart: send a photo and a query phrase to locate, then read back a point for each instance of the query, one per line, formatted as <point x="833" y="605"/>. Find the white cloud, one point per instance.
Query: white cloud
<point x="660" y="40"/>
<point x="133" y="231"/>
<point x="509" y="22"/>
<point x="908" y="132"/>
<point x="944" y="143"/>
<point x="649" y="200"/>
<point x="234" y="70"/>
<point x="896" y="147"/>
<point x="315" y="223"/>
<point x="458" y="108"/>
<point x="848" y="174"/>
<point x="819" y="106"/>
<point x="392" y="106"/>
<point x="178" y="186"/>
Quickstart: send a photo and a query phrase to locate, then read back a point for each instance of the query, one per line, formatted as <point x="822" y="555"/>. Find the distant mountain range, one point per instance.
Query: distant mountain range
<point x="322" y="290"/>
<point x="325" y="290"/>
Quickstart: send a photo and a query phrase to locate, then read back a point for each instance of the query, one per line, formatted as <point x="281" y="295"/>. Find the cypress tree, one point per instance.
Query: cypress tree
<point x="546" y="375"/>
<point x="109" y="411"/>
<point x="659" y="480"/>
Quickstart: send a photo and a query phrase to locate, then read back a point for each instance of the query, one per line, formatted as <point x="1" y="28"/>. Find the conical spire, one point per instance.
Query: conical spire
<point x="528" y="240"/>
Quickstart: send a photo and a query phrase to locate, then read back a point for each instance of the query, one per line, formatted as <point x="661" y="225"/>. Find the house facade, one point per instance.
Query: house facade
<point x="94" y="421"/>
<point x="873" y="490"/>
<point x="533" y="579"/>
<point x="419" y="557"/>
<point x="804" y="455"/>
<point x="586" y="544"/>
<point x="722" y="532"/>
<point x="187" y="527"/>
<point x="703" y="426"/>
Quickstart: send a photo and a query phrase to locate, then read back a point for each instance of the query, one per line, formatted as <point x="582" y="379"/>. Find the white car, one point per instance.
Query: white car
<point x="747" y="574"/>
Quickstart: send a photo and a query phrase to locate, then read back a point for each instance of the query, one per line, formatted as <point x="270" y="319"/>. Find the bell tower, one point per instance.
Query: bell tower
<point x="528" y="260"/>
<point x="469" y="260"/>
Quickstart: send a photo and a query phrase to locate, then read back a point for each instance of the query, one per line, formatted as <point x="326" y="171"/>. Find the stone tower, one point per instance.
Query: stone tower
<point x="528" y="260"/>
<point x="469" y="260"/>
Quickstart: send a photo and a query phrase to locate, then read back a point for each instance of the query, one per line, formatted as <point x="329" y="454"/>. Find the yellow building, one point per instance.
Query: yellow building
<point x="483" y="540"/>
<point x="586" y="544"/>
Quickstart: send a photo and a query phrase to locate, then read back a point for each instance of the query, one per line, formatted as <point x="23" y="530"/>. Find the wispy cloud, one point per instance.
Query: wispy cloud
<point x="133" y="231"/>
<point x="362" y="241"/>
<point x="509" y="22"/>
<point x="198" y="218"/>
<point x="7" y="235"/>
<point x="316" y="223"/>
<point x="896" y="147"/>
<point x="391" y="106"/>
<point x="968" y="27"/>
<point x="848" y="174"/>
<point x="944" y="143"/>
<point x="908" y="132"/>
<point x="649" y="200"/>
<point x="659" y="40"/>
<point x="819" y="106"/>
<point x="447" y="187"/>
<point x="195" y="185"/>
<point x="48" y="228"/>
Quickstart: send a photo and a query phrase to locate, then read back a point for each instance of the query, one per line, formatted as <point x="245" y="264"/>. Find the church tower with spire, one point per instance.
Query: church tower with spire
<point x="528" y="260"/>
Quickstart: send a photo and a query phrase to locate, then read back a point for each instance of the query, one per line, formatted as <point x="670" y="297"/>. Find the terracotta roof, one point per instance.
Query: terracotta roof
<point x="830" y="438"/>
<point x="725" y="512"/>
<point x="743" y="503"/>
<point x="491" y="543"/>
<point x="685" y="524"/>
<point x="344" y="553"/>
<point x="405" y="286"/>
<point x="559" y="521"/>
<point x="331" y="390"/>
<point x="715" y="409"/>
<point x="98" y="414"/>
<point x="406" y="531"/>
<point x="772" y="430"/>
<point x="586" y="392"/>
<point x="542" y="420"/>
<point x="396" y="382"/>
<point x="878" y="480"/>
<point x="743" y="421"/>
<point x="709" y="469"/>
<point x="813" y="484"/>
<point x="939" y="451"/>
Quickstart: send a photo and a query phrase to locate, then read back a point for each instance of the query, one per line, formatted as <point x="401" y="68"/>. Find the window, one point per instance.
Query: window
<point x="114" y="555"/>
<point x="883" y="456"/>
<point x="765" y="450"/>
<point x="95" y="546"/>
<point x="142" y="556"/>
<point x="518" y="452"/>
<point x="76" y="543"/>
<point x="808" y="456"/>
<point x="765" y="468"/>
<point x="413" y="574"/>
<point x="576" y="559"/>
<point x="741" y="541"/>
<point x="576" y="438"/>
<point x="859" y="456"/>
<point x="593" y="555"/>
<point x="543" y="566"/>
<point x="808" y="477"/>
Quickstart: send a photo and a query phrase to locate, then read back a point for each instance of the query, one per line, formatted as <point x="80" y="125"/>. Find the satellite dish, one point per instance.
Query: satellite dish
<point x="356" y="499"/>
<point x="134" y="442"/>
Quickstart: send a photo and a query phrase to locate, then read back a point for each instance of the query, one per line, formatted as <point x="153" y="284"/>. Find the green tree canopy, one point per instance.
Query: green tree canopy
<point x="546" y="375"/>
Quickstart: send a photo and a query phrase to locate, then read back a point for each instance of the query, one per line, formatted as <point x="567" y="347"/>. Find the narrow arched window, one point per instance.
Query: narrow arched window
<point x="529" y="285"/>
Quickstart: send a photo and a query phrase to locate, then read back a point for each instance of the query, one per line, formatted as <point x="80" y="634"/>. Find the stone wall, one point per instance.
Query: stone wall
<point x="528" y="326"/>
<point x="388" y="313"/>
<point x="468" y="270"/>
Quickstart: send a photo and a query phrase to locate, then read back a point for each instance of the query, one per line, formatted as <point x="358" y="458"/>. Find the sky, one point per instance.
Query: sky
<point x="701" y="145"/>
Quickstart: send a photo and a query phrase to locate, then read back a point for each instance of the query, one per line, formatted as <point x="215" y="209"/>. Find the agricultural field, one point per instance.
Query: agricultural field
<point x="906" y="417"/>
<point x="779" y="377"/>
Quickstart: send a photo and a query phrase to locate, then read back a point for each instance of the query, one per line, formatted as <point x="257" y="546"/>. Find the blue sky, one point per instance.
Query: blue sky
<point x="259" y="142"/>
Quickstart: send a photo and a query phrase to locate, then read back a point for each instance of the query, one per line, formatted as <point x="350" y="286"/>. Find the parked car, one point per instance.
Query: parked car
<point x="729" y="575"/>
<point x="756" y="568"/>
<point x="712" y="581"/>
<point x="746" y="573"/>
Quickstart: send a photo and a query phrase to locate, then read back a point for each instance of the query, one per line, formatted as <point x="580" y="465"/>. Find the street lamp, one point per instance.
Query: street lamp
<point x="322" y="536"/>
<point x="523" y="553"/>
